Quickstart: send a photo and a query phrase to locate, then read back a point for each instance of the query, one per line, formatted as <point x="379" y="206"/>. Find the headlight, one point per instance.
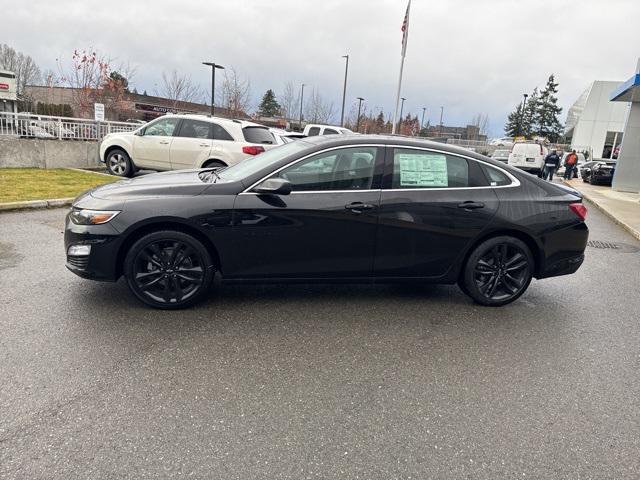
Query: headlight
<point x="92" y="217"/>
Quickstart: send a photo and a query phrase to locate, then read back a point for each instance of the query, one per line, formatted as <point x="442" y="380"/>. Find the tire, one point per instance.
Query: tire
<point x="169" y="270"/>
<point x="591" y="181"/>
<point x="119" y="163"/>
<point x="498" y="271"/>
<point x="214" y="164"/>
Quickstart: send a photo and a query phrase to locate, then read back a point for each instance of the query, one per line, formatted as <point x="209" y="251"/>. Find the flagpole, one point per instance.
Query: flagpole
<point x="405" y="38"/>
<point x="395" y="112"/>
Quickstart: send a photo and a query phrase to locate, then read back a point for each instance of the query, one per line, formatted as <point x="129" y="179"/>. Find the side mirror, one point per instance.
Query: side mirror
<point x="139" y="132"/>
<point x="274" y="186"/>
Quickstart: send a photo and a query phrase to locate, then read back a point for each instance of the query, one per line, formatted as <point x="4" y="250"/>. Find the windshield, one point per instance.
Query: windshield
<point x="255" y="164"/>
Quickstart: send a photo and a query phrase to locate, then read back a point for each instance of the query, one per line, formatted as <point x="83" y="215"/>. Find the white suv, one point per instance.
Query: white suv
<point x="311" y="130"/>
<point x="174" y="142"/>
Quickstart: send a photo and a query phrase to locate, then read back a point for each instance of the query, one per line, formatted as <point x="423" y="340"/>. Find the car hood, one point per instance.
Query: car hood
<point x="178" y="182"/>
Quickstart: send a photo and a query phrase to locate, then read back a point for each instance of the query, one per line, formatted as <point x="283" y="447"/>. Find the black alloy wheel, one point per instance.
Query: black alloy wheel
<point x="168" y="269"/>
<point x="498" y="271"/>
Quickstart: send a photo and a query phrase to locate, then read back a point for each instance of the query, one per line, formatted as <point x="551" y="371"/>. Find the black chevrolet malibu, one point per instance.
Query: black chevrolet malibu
<point x="347" y="208"/>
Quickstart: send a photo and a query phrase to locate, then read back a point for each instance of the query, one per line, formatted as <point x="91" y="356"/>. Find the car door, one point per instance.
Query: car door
<point x="192" y="144"/>
<point x="325" y="228"/>
<point x="433" y="204"/>
<point x="152" y="147"/>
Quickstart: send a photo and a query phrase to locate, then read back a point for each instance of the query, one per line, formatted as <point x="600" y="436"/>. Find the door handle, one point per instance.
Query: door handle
<point x="358" y="207"/>
<point x="204" y="144"/>
<point x="163" y="143"/>
<point x="469" y="205"/>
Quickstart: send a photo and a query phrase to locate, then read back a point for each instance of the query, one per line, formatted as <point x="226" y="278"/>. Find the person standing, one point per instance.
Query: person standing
<point x="551" y="163"/>
<point x="569" y="164"/>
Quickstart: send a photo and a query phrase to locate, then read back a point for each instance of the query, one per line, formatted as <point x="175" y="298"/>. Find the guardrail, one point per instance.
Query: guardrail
<point x="26" y="125"/>
<point x="467" y="143"/>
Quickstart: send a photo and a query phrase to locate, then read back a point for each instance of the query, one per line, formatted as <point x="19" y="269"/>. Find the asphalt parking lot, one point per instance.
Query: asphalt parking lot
<point x="384" y="382"/>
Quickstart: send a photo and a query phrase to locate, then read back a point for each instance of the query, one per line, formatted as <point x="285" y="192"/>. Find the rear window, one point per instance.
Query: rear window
<point x="527" y="148"/>
<point x="258" y="135"/>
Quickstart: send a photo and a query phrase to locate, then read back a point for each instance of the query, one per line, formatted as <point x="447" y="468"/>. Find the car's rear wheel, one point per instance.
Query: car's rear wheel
<point x="214" y="164"/>
<point x="168" y="269"/>
<point x="498" y="271"/>
<point x="119" y="163"/>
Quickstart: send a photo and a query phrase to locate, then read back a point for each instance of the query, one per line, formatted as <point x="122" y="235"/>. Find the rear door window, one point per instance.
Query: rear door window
<point x="330" y="131"/>
<point x="195" y="129"/>
<point x="258" y="135"/>
<point x="415" y="169"/>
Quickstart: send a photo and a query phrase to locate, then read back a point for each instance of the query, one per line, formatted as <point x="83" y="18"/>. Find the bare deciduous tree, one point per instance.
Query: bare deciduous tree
<point x="179" y="88"/>
<point x="481" y="120"/>
<point x="92" y="80"/>
<point x="289" y="101"/>
<point x="25" y="68"/>
<point x="235" y="94"/>
<point x="317" y="110"/>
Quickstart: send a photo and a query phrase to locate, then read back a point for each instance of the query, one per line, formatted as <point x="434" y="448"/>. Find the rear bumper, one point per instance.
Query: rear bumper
<point x="563" y="251"/>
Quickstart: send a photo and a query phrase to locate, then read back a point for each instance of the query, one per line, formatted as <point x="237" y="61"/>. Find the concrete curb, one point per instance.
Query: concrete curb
<point x="35" y="204"/>
<point x="635" y="233"/>
<point x="91" y="171"/>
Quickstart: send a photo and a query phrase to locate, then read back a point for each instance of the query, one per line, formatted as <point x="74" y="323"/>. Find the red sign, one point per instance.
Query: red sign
<point x="4" y="86"/>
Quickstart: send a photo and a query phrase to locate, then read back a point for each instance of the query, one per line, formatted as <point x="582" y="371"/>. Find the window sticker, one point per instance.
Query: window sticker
<point x="422" y="170"/>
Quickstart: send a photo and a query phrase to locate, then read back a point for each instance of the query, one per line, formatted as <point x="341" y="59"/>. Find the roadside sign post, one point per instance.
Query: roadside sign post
<point x="98" y="115"/>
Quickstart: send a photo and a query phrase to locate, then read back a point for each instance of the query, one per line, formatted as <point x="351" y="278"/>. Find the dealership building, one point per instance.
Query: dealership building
<point x="8" y="92"/>
<point x="595" y="123"/>
<point x="133" y="105"/>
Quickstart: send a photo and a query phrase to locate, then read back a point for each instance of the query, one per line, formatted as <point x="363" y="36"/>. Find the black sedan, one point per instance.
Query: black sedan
<point x="352" y="208"/>
<point x="598" y="172"/>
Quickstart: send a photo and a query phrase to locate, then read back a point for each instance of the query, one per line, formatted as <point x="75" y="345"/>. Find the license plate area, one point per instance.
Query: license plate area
<point x="531" y="159"/>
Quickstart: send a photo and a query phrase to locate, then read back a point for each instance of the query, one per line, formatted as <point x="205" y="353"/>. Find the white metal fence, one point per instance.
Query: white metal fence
<point x="27" y="125"/>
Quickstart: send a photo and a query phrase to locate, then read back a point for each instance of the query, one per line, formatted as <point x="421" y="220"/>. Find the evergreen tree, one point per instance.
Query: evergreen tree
<point x="269" y="107"/>
<point x="547" y="112"/>
<point x="513" y="127"/>
<point x="380" y="122"/>
<point x="530" y="115"/>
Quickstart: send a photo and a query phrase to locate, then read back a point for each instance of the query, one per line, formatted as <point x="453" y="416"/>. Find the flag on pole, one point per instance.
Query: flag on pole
<point x="405" y="30"/>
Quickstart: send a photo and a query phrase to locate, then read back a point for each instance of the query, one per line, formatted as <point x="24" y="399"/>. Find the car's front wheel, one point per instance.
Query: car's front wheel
<point x="169" y="269"/>
<point x="119" y="163"/>
<point x="498" y="271"/>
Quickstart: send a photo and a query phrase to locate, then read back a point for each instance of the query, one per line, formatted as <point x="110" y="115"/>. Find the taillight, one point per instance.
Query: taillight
<point x="579" y="209"/>
<point x="541" y="150"/>
<point x="252" y="150"/>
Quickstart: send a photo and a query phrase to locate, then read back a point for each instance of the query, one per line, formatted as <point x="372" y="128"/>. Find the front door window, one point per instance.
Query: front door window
<point x="341" y="169"/>
<point x="161" y="128"/>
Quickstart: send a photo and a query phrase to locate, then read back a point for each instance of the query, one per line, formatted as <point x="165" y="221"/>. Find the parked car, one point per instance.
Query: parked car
<point x="31" y="129"/>
<point x="174" y="142"/>
<point x="528" y="156"/>
<point x="598" y="172"/>
<point x="282" y="136"/>
<point x="502" y="142"/>
<point x="312" y="129"/>
<point x="501" y="155"/>
<point x="57" y="129"/>
<point x="322" y="209"/>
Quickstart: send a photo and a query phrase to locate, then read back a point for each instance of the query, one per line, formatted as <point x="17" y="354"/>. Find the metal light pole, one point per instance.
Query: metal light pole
<point x="301" y="103"/>
<point x="524" y="104"/>
<point x="344" y="90"/>
<point x="360" y="100"/>
<point x="400" y="120"/>
<point x="441" y="115"/>
<point x="213" y="83"/>
<point x="424" y="110"/>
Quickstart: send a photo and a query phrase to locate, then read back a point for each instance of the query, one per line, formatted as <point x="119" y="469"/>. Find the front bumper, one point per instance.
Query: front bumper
<point x="102" y="261"/>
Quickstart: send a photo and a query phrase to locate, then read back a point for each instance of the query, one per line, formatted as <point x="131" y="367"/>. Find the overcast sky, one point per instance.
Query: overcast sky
<point x="469" y="56"/>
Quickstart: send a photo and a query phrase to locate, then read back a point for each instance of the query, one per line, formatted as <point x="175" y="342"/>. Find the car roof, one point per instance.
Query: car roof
<point x="393" y="140"/>
<point x="221" y="120"/>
